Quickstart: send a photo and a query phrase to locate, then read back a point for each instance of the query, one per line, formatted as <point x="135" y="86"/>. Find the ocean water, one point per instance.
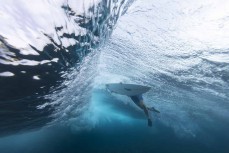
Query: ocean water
<point x="53" y="72"/>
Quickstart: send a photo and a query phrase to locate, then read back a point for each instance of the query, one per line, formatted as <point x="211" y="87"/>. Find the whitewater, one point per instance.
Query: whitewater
<point x="54" y="65"/>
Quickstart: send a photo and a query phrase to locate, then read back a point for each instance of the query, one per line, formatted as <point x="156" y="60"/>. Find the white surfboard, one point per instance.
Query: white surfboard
<point x="127" y="89"/>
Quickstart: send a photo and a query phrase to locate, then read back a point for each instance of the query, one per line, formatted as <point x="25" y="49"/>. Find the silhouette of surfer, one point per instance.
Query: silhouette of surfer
<point x="138" y="100"/>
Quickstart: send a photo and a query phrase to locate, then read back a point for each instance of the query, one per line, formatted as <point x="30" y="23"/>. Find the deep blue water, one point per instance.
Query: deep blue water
<point x="115" y="137"/>
<point x="126" y="133"/>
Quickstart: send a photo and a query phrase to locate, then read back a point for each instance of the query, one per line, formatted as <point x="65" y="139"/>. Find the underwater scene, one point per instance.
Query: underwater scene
<point x="80" y="76"/>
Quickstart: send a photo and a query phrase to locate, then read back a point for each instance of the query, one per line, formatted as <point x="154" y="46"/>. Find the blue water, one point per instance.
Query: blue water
<point x="126" y="133"/>
<point x="53" y="74"/>
<point x="123" y="129"/>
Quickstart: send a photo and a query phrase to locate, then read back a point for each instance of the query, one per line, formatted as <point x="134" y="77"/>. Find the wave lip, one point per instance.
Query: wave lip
<point x="40" y="43"/>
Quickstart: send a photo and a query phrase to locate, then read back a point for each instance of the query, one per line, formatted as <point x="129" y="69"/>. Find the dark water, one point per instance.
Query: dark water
<point x="111" y="134"/>
<point x="113" y="138"/>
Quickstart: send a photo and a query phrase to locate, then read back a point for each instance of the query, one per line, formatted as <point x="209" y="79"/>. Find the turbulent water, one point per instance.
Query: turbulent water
<point x="56" y="58"/>
<point x="41" y="42"/>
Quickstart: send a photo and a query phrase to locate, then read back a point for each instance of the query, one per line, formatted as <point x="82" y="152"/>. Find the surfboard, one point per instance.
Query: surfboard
<point x="127" y="89"/>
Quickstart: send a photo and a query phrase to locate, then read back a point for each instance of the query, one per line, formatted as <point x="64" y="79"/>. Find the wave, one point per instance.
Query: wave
<point x="40" y="43"/>
<point x="173" y="47"/>
<point x="188" y="73"/>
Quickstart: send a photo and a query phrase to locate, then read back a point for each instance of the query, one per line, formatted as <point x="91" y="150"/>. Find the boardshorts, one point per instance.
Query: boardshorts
<point x="137" y="98"/>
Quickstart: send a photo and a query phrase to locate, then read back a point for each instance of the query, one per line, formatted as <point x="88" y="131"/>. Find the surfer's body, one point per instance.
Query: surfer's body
<point x="138" y="100"/>
<point x="135" y="93"/>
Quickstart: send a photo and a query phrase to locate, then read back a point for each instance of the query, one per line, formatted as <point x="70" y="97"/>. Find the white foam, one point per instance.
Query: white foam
<point x="6" y="74"/>
<point x="36" y="77"/>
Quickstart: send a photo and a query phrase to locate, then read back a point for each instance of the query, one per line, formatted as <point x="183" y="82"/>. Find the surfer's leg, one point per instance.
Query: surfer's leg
<point x="140" y="103"/>
<point x="143" y="106"/>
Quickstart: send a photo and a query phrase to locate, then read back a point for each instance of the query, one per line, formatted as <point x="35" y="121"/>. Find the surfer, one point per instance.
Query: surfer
<point x="135" y="93"/>
<point x="138" y="100"/>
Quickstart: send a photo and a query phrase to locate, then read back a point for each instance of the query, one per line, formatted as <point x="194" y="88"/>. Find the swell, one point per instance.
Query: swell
<point x="31" y="72"/>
